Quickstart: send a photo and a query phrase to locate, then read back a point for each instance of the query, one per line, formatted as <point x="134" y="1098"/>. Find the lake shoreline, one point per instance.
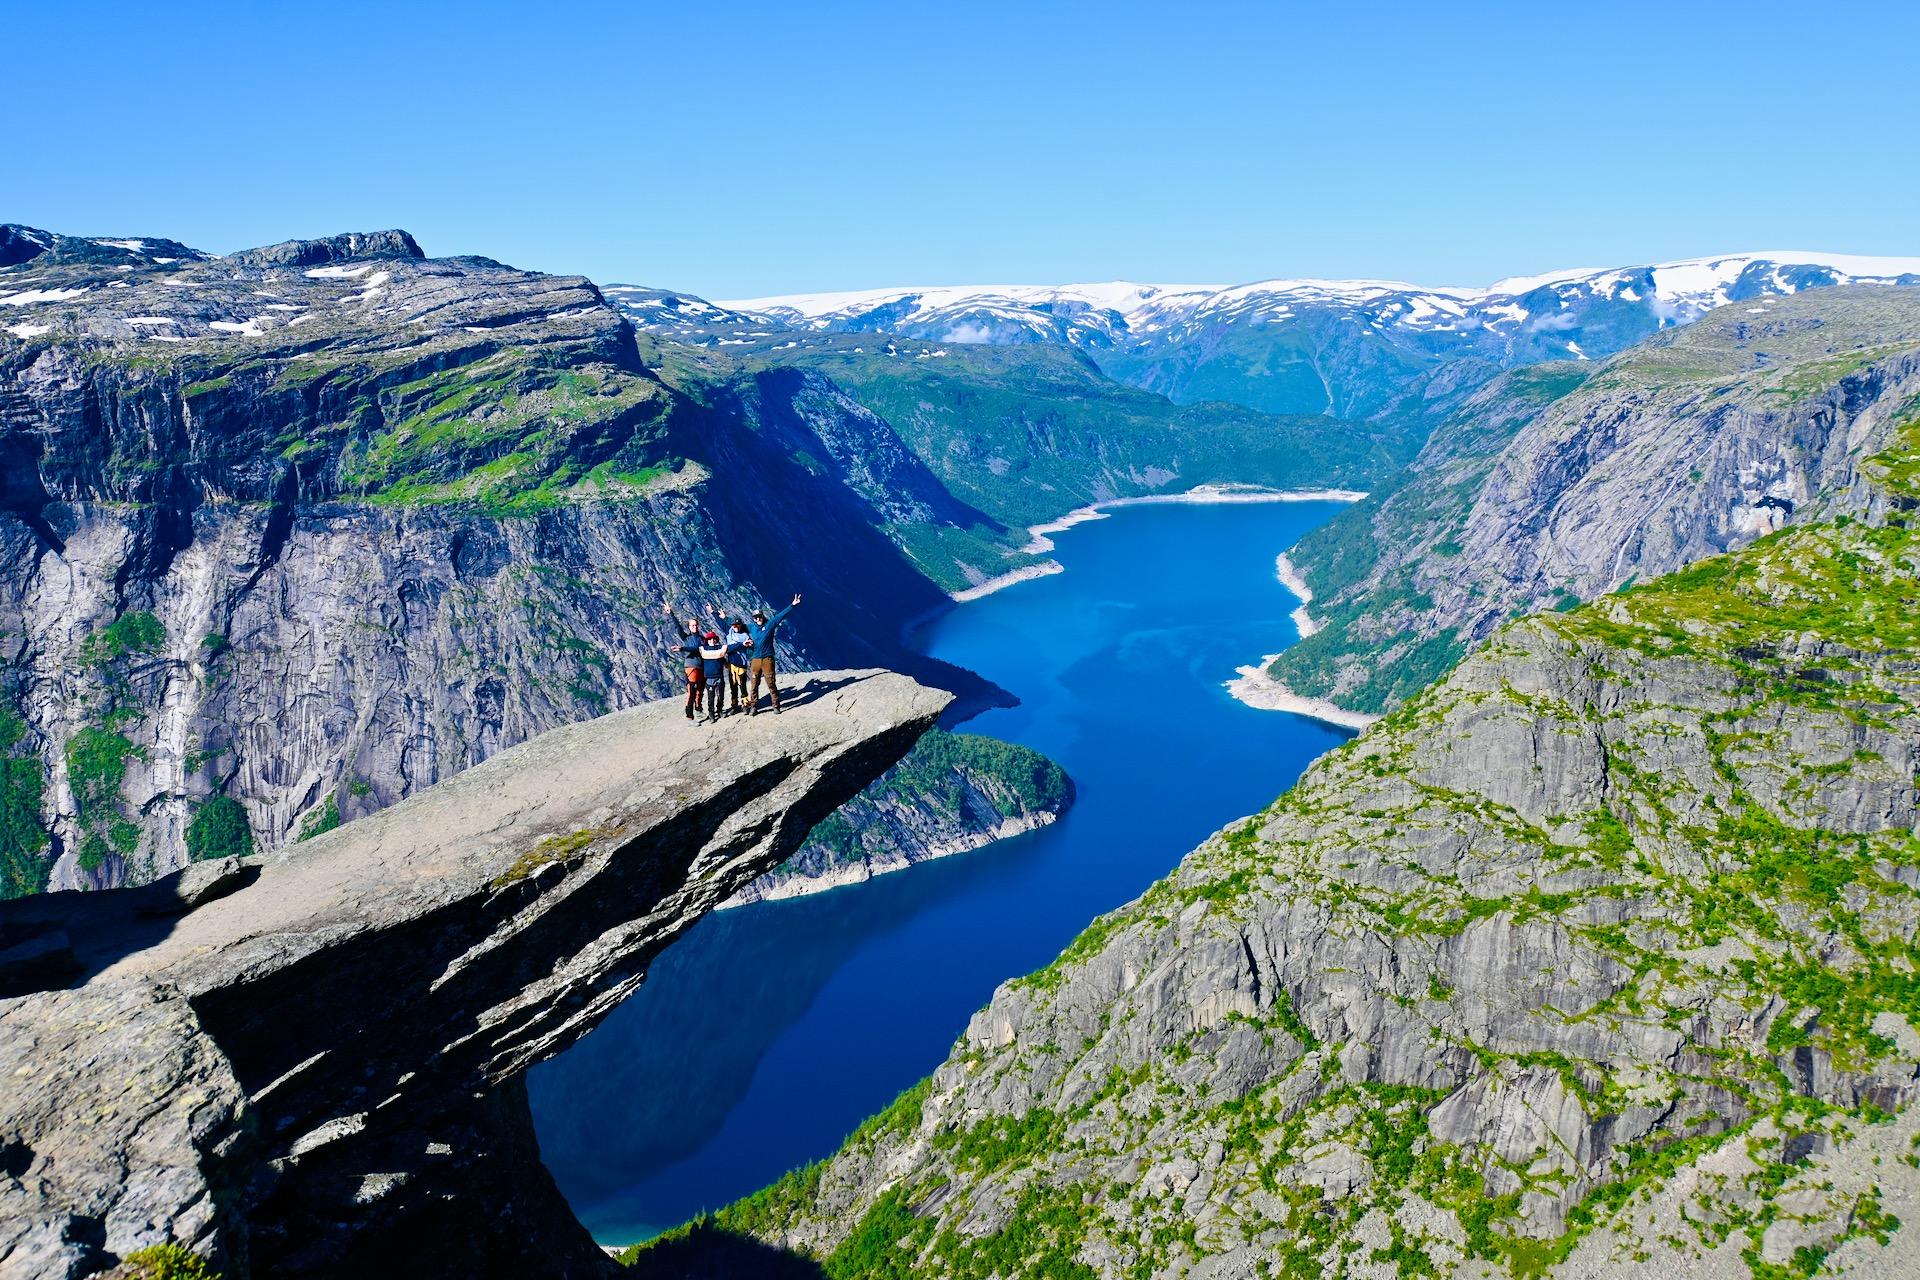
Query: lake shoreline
<point x="1254" y="687"/>
<point x="1293" y="580"/>
<point x="860" y="870"/>
<point x="1258" y="688"/>
<point x="1039" y="541"/>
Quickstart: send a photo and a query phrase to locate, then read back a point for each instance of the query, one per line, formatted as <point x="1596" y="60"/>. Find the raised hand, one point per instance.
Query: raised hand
<point x="796" y="597"/>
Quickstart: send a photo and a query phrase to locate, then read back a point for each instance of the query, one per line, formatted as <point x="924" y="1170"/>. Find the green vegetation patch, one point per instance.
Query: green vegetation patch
<point x="219" y="829"/>
<point x="322" y="820"/>
<point x="138" y="632"/>
<point x="552" y="850"/>
<point x="23" y="839"/>
<point x="510" y="433"/>
<point x="939" y="775"/>
<point x="167" y="1261"/>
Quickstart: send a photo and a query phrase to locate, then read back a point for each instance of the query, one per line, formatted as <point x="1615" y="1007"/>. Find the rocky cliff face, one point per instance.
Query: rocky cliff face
<point x="953" y="793"/>
<point x="308" y="1063"/>
<point x="1594" y="959"/>
<point x="1560" y="483"/>
<point x="291" y="534"/>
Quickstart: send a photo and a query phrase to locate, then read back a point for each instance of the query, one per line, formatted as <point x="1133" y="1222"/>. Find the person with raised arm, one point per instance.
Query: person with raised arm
<point x="689" y="652"/>
<point x="760" y="633"/>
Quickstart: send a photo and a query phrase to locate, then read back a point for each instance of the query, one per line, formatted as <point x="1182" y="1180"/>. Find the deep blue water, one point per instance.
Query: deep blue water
<point x="766" y="1034"/>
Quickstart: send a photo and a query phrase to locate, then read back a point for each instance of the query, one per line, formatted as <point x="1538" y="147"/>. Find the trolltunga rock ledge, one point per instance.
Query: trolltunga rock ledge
<point x="310" y="1063"/>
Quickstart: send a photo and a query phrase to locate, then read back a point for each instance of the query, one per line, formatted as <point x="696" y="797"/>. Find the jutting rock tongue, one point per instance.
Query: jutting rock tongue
<point x="319" y="1072"/>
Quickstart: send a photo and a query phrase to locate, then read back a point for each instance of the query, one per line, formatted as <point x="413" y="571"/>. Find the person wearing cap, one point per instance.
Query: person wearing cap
<point x="760" y="632"/>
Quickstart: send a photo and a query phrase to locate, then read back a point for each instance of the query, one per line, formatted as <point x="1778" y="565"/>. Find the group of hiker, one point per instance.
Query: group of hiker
<point x="729" y="659"/>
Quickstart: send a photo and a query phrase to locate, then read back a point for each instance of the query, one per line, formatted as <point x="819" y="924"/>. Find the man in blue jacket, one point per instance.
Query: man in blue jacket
<point x="761" y="630"/>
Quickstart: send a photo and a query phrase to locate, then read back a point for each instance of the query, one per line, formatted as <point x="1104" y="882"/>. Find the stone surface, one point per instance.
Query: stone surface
<point x="124" y="1126"/>
<point x="317" y="1073"/>
<point x="1563" y="482"/>
<point x="1600" y="951"/>
<point x="364" y="518"/>
<point x="952" y="794"/>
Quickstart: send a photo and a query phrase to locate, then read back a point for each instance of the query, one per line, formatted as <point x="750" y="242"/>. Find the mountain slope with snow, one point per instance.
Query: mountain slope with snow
<point x="1353" y="348"/>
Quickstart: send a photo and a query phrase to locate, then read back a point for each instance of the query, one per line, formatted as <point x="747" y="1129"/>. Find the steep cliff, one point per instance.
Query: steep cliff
<point x="954" y="792"/>
<point x="1559" y="483"/>
<point x="291" y="534"/>
<point x="309" y="1062"/>
<point x="1596" y="958"/>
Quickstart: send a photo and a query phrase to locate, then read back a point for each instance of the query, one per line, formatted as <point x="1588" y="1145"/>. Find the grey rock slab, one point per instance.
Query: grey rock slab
<point x="289" y="1076"/>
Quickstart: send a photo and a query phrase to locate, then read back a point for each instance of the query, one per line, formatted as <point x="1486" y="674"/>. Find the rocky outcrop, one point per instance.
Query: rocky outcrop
<point x="315" y="1069"/>
<point x="1594" y="959"/>
<point x="1561" y="483"/>
<point x="954" y="792"/>
<point x="292" y="534"/>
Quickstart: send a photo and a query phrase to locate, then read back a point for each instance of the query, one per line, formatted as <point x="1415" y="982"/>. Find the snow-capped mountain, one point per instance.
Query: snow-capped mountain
<point x="1349" y="347"/>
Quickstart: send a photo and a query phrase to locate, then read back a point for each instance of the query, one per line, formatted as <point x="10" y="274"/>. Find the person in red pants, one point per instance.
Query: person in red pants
<point x="689" y="651"/>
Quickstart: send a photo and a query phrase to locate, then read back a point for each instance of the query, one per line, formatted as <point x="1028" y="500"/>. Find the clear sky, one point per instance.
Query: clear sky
<point x="733" y="149"/>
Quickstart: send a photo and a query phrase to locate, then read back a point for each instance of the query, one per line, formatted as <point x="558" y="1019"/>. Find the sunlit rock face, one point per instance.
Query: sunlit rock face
<point x="309" y="1062"/>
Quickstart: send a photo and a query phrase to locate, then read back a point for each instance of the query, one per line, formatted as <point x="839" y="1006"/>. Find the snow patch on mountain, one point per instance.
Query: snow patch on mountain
<point x="1116" y="311"/>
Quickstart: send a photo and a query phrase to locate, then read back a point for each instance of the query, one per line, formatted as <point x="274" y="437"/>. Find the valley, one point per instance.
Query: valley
<point x="1355" y="717"/>
<point x="1593" y="957"/>
<point x="771" y="1031"/>
<point x="1590" y="952"/>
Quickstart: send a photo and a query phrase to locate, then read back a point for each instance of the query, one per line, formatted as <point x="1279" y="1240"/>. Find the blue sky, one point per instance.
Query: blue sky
<point x="739" y="149"/>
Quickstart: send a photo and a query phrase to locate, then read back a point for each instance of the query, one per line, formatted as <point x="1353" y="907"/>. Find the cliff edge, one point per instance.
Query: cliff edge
<point x="309" y="1062"/>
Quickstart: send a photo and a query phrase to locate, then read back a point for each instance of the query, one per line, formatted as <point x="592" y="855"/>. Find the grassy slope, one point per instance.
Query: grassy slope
<point x="1713" y="891"/>
<point x="933" y="777"/>
<point x="1028" y="433"/>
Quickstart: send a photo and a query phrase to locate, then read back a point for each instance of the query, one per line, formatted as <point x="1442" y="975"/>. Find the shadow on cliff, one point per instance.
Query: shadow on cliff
<point x="625" y="1114"/>
<point x="803" y="495"/>
<point x="50" y="941"/>
<point x="709" y="1252"/>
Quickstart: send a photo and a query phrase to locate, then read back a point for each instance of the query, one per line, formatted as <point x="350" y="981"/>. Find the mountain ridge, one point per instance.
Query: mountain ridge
<point x="1561" y="482"/>
<point x="293" y="532"/>
<point x="1352" y="349"/>
<point x="1128" y="296"/>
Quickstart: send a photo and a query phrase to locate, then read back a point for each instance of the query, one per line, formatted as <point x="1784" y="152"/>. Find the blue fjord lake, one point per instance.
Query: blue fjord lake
<point x="763" y="1037"/>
